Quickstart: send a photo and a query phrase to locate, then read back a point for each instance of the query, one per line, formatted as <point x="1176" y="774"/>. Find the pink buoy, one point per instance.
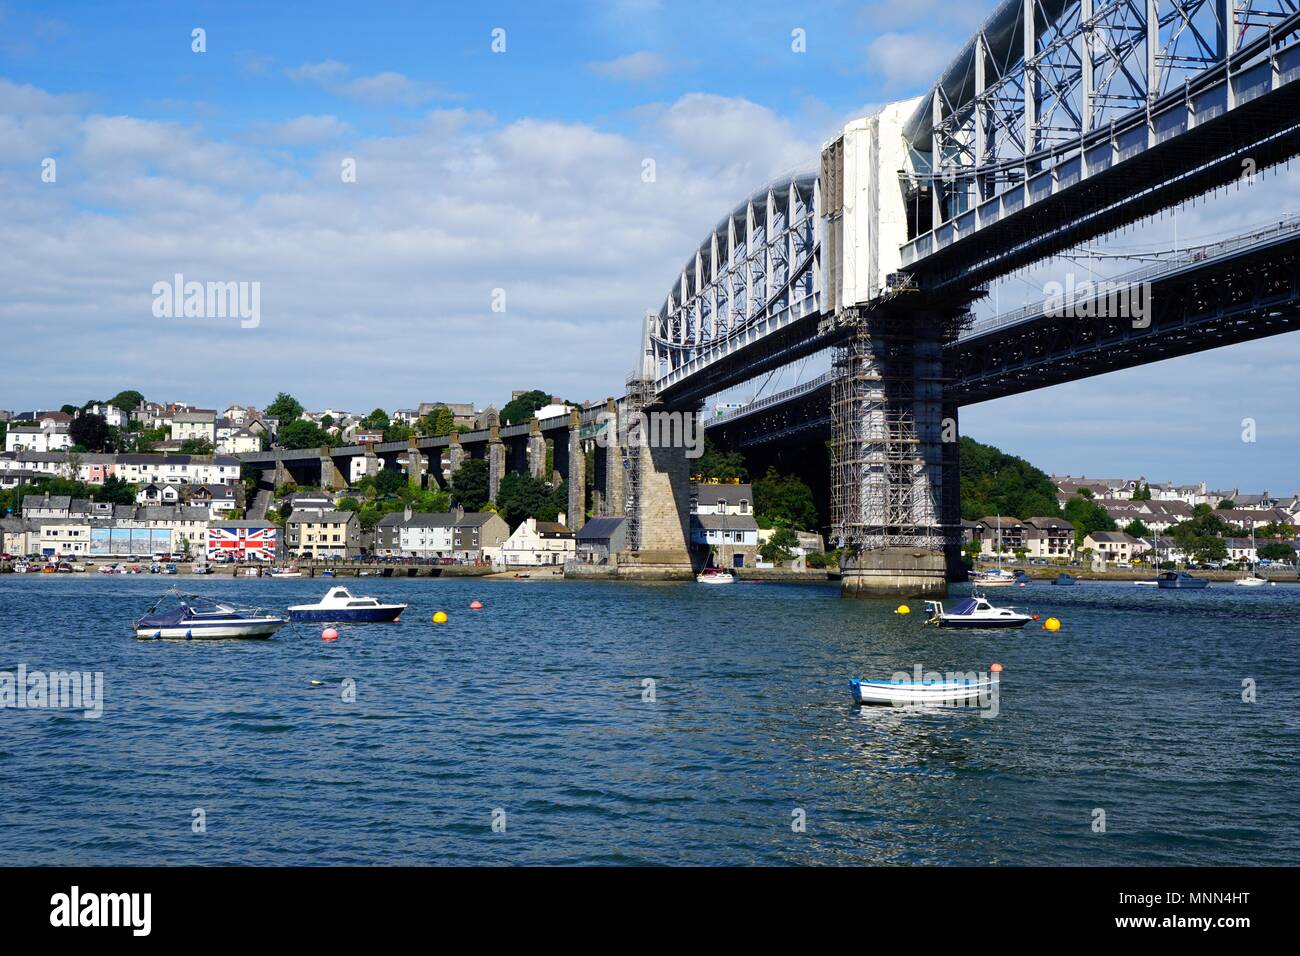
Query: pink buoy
<point x="329" y="634"/>
<point x="476" y="605"/>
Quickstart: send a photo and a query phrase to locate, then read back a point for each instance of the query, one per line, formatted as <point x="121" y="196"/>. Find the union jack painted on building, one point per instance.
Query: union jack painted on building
<point x="245" y="544"/>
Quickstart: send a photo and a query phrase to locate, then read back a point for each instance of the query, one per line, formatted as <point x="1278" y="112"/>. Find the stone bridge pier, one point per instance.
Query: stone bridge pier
<point x="653" y="480"/>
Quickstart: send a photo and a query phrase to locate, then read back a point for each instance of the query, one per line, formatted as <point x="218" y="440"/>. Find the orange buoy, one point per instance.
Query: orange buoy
<point x="1035" y="617"/>
<point x="996" y="668"/>
<point x="329" y="634"/>
<point x="476" y="605"/>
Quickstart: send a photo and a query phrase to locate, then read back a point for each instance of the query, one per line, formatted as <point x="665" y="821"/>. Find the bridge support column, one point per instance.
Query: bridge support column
<point x="455" y="454"/>
<point x="890" y="460"/>
<point x="536" y="450"/>
<point x="414" y="464"/>
<point x="282" y="476"/>
<point x="614" y="503"/>
<point x="658" y="499"/>
<point x="577" y="514"/>
<point x="330" y="479"/>
<point x="496" y="457"/>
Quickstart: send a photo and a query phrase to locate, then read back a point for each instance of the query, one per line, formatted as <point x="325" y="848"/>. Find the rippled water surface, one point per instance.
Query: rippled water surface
<point x="534" y="706"/>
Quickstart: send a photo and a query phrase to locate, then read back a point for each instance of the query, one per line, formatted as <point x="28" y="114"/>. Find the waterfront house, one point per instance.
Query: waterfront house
<point x="13" y="536"/>
<point x="1241" y="549"/>
<point x="323" y="534"/>
<point x="708" y="498"/>
<point x="600" y="539"/>
<point x="62" y="537"/>
<point x="538" y="543"/>
<point x="1049" y="538"/>
<point x="733" y="538"/>
<point x="466" y="536"/>
<point x="1001" y="534"/>
<point x="1113" y="547"/>
<point x="479" y="535"/>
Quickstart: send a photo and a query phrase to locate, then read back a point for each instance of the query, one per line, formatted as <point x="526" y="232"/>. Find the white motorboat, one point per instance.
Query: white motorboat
<point x="715" y="576"/>
<point x="1153" y="583"/>
<point x="993" y="579"/>
<point x="194" y="618"/>
<point x="340" y="605"/>
<point x="285" y="573"/>
<point x="22" y="567"/>
<point x="976" y="612"/>
<point x="920" y="693"/>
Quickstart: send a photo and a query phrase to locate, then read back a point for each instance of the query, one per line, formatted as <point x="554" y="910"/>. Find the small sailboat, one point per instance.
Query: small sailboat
<point x="1254" y="579"/>
<point x="339" y="605"/>
<point x="715" y="576"/>
<point x="976" y="612"/>
<point x="920" y="693"/>
<point x="196" y="618"/>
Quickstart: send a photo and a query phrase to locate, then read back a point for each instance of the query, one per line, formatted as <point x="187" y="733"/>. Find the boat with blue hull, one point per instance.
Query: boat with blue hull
<point x="341" y="606"/>
<point x="1181" y="580"/>
<point x="1064" y="580"/>
<point x="189" y="617"/>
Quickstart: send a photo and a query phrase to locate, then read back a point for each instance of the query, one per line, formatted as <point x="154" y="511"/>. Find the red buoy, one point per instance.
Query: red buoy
<point x="476" y="605"/>
<point x="329" y="634"/>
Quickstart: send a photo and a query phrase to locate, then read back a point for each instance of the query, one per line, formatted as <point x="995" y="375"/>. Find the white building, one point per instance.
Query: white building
<point x="37" y="438"/>
<point x="538" y="543"/>
<point x="198" y="425"/>
<point x="112" y="415"/>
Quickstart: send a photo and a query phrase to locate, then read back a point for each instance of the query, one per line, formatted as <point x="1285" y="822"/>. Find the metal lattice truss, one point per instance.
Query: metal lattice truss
<point x="757" y="270"/>
<point x="1043" y="74"/>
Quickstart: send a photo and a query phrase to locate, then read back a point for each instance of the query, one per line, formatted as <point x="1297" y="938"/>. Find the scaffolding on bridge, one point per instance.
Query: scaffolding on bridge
<point x="892" y="449"/>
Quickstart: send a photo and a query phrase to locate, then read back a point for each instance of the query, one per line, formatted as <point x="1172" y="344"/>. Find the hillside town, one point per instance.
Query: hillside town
<point x="135" y="480"/>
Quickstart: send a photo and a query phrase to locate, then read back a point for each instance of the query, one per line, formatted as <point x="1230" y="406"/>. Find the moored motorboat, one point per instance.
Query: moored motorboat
<point x="976" y="612"/>
<point x="715" y="576"/>
<point x="1064" y="580"/>
<point x="920" y="693"/>
<point x="199" y="618"/>
<point x="1181" y="580"/>
<point x="285" y="573"/>
<point x="1151" y="583"/>
<point x="993" y="579"/>
<point x="340" y="605"/>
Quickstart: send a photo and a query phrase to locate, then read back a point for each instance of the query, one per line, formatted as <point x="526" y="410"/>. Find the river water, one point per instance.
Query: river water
<point x="525" y="733"/>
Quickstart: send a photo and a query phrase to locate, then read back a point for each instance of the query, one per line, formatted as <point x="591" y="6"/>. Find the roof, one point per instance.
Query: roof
<point x="726" y="522"/>
<point x="1116" y="537"/>
<point x="712" y="494"/>
<point x="600" y="529"/>
<point x="1044" y="523"/>
<point x="320" y="517"/>
<point x="474" y="519"/>
<point x="553" y="529"/>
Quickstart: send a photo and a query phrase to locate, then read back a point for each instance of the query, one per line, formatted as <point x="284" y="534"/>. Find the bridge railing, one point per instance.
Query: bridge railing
<point x="775" y="398"/>
<point x="1194" y="257"/>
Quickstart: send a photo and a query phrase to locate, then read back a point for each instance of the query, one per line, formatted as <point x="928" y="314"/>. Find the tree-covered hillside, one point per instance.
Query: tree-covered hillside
<point x="994" y="483"/>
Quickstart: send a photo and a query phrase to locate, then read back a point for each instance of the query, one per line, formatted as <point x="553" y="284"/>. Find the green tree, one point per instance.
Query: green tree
<point x="196" y="446"/>
<point x="438" y="422"/>
<point x="116" y="491"/>
<point x="995" y="483"/>
<point x="714" y="464"/>
<point x="1276" y="551"/>
<point x="128" y="401"/>
<point x="523" y="496"/>
<point x="286" y="408"/>
<point x="1142" y="492"/>
<point x="469" y="484"/>
<point x="1087" y="516"/>
<point x="784" y="502"/>
<point x="1137" y="529"/>
<point x="778" y="547"/>
<point x="378" y="419"/>
<point x="519" y="410"/>
<point x="1227" y="504"/>
<point x="90" y="432"/>
<point x="302" y="433"/>
<point x="389" y="481"/>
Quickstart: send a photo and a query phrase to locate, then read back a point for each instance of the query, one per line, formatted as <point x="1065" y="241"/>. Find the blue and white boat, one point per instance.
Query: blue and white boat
<point x="194" y="618"/>
<point x="1064" y="580"/>
<point x="1179" y="580"/>
<point x="976" y="612"/>
<point x="340" y="606"/>
<point x="920" y="693"/>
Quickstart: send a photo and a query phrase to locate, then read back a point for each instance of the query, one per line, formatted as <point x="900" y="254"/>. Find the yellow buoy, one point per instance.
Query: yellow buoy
<point x="440" y="617"/>
<point x="1051" y="624"/>
<point x="903" y="609"/>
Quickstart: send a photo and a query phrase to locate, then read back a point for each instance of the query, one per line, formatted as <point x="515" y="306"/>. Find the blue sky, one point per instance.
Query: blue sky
<point x="476" y="172"/>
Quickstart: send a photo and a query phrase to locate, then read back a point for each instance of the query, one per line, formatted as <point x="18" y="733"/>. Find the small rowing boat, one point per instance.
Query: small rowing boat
<point x="920" y="693"/>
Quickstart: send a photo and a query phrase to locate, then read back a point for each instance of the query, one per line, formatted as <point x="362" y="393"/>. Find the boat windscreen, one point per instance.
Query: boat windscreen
<point x="965" y="607"/>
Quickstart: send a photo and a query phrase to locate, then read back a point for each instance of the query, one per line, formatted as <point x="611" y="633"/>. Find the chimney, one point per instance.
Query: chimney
<point x="562" y="518"/>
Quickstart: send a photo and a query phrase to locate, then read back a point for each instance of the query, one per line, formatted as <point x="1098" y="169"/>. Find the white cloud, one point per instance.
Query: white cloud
<point x="381" y="89"/>
<point x="641" y="67"/>
<point x="910" y="60"/>
<point x="299" y="131"/>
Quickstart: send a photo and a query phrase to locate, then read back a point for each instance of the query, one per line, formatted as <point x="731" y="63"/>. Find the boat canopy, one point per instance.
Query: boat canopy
<point x="967" y="606"/>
